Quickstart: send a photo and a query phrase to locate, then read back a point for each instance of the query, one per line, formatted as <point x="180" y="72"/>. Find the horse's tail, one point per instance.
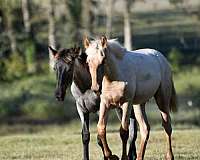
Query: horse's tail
<point x="173" y="100"/>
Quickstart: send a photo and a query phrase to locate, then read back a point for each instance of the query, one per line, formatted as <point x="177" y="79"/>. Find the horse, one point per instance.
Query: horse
<point x="131" y="78"/>
<point x="71" y="69"/>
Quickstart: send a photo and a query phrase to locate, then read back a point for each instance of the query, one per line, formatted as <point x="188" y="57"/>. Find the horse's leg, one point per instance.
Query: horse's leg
<point x="101" y="144"/>
<point x="119" y="113"/>
<point x="144" y="129"/>
<point x="124" y="132"/>
<point x="162" y="102"/>
<point x="132" y="136"/>
<point x="101" y="129"/>
<point x="85" y="131"/>
<point x="132" y="133"/>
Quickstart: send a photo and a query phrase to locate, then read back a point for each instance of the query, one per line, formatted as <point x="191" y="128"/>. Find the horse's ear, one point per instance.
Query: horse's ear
<point x="104" y="41"/>
<point x="76" y="51"/>
<point x="86" y="42"/>
<point x="53" y="51"/>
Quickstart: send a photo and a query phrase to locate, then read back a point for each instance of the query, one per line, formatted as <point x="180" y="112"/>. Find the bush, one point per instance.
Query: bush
<point x="2" y="70"/>
<point x="175" y="58"/>
<point x="30" y="56"/>
<point x="15" y="67"/>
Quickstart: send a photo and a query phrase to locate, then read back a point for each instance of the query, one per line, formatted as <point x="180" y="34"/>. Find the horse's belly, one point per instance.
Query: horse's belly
<point x="145" y="91"/>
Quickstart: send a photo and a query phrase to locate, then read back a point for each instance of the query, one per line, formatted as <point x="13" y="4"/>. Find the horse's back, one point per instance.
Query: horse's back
<point x="148" y="67"/>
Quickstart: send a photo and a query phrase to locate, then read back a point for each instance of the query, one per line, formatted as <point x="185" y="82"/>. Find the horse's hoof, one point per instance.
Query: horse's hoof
<point x="169" y="156"/>
<point x="125" y="158"/>
<point x="131" y="157"/>
<point x="113" y="157"/>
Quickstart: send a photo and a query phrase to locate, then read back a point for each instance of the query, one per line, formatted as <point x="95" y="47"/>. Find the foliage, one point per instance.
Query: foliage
<point x="30" y="56"/>
<point x="15" y="67"/>
<point x="175" y="58"/>
<point x="33" y="98"/>
<point x="2" y="70"/>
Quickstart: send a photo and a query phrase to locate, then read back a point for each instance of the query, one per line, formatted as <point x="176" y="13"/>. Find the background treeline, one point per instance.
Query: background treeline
<point x="27" y="27"/>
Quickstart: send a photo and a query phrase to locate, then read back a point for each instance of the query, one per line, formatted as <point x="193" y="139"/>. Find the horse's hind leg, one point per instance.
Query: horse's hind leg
<point x="144" y="129"/>
<point x="163" y="102"/>
<point x="124" y="131"/>
<point x="132" y="136"/>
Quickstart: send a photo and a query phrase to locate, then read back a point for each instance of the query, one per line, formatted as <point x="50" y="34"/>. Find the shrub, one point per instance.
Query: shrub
<point x="15" y="67"/>
<point x="30" y="56"/>
<point x="175" y="58"/>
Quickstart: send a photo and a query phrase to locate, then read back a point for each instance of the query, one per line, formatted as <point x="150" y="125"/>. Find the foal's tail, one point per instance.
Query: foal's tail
<point x="173" y="100"/>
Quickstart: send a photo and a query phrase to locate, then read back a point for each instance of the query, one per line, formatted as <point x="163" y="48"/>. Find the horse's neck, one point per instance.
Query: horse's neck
<point x="111" y="68"/>
<point x="81" y="76"/>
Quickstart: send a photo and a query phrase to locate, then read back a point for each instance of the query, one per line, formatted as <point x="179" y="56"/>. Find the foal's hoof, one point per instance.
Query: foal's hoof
<point x="169" y="156"/>
<point x="113" y="157"/>
<point x="125" y="158"/>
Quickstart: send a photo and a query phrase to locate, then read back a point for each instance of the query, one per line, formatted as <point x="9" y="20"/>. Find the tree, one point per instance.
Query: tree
<point x="26" y="15"/>
<point x="75" y="11"/>
<point x="127" y="25"/>
<point x="86" y="7"/>
<point x="30" y="50"/>
<point x="7" y="8"/>
<point x="109" y="17"/>
<point x="51" y="34"/>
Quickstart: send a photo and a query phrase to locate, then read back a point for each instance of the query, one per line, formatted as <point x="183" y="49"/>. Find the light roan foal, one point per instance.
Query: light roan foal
<point x="131" y="77"/>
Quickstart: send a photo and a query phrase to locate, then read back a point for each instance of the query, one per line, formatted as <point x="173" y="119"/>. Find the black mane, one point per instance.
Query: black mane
<point x="81" y="75"/>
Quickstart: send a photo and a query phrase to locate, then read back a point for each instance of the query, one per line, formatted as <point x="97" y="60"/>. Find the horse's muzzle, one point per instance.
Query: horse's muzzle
<point x="59" y="96"/>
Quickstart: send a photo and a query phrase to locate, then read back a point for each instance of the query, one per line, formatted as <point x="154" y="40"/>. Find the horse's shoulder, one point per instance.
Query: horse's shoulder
<point x="76" y="92"/>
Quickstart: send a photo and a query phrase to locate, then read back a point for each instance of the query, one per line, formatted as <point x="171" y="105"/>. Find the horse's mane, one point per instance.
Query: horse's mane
<point x="116" y="48"/>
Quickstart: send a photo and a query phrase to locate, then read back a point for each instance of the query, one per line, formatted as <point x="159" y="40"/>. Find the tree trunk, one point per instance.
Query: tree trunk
<point x="127" y="25"/>
<point x="51" y="36"/>
<point x="86" y="11"/>
<point x="26" y="16"/>
<point x="109" y="18"/>
<point x="30" y="51"/>
<point x="10" y="32"/>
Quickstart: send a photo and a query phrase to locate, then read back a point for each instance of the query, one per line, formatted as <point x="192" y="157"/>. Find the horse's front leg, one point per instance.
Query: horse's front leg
<point x="124" y="130"/>
<point x="101" y="131"/>
<point x="85" y="131"/>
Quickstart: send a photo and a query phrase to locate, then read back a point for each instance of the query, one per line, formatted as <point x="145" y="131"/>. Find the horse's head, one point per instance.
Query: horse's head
<point x="95" y="51"/>
<point x="63" y="66"/>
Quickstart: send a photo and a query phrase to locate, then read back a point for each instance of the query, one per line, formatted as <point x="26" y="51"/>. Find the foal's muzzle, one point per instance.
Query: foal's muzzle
<point x="59" y="96"/>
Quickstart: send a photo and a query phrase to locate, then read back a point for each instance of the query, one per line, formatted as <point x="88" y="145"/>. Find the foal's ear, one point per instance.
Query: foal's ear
<point x="104" y="41"/>
<point x="76" y="51"/>
<point x="54" y="52"/>
<point x="86" y="42"/>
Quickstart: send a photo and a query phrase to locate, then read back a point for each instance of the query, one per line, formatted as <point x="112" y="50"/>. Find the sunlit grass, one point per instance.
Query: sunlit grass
<point x="64" y="142"/>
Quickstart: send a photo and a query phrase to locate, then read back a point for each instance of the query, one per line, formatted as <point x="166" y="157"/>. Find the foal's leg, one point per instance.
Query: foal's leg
<point x="132" y="137"/>
<point x="144" y="129"/>
<point x="163" y="105"/>
<point x="85" y="131"/>
<point x="124" y="132"/>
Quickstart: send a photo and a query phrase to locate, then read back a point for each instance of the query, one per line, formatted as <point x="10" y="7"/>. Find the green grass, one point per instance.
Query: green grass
<point x="187" y="79"/>
<point x="64" y="142"/>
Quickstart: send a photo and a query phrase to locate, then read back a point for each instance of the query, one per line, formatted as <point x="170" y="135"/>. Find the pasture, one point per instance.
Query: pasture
<point x="63" y="142"/>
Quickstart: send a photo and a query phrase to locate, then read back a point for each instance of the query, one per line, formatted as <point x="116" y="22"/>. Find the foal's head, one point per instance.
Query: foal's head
<point x="95" y="51"/>
<point x="63" y="66"/>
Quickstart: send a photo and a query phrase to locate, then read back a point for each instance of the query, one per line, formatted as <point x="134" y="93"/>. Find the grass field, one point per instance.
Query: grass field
<point x="64" y="143"/>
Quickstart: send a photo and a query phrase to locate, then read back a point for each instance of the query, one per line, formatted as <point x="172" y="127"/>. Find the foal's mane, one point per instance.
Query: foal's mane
<point x="116" y="48"/>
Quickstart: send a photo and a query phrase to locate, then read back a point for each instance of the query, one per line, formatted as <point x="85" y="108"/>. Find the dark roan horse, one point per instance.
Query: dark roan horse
<point x="71" y="69"/>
